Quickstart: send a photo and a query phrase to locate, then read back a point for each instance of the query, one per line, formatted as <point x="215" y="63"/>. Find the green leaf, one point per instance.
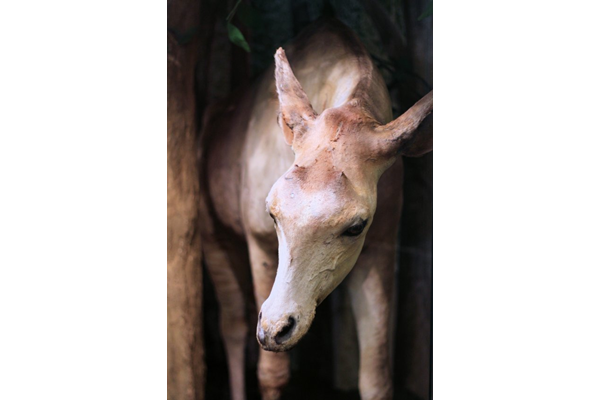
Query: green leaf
<point x="237" y="37"/>
<point x="427" y="13"/>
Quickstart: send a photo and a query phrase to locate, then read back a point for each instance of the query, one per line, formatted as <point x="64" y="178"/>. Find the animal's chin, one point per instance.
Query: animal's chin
<point x="278" y="348"/>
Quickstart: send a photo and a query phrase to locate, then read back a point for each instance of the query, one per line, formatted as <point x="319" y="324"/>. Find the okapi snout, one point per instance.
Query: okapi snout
<point x="274" y="335"/>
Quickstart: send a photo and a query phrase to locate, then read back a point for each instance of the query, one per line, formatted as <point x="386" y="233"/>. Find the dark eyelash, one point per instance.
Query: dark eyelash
<point x="355" y="229"/>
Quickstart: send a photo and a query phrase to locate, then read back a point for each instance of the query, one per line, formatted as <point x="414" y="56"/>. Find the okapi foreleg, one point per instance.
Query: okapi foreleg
<point x="371" y="286"/>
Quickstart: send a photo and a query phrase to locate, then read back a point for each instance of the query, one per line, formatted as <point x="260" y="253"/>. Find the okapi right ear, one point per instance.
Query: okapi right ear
<point x="411" y="134"/>
<point x="295" y="111"/>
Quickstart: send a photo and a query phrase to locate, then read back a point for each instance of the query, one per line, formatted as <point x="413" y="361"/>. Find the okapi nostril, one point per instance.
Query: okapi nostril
<point x="260" y="335"/>
<point x="285" y="332"/>
<point x="259" y="316"/>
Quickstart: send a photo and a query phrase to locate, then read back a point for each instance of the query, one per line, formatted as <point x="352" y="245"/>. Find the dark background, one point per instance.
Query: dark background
<point x="398" y="34"/>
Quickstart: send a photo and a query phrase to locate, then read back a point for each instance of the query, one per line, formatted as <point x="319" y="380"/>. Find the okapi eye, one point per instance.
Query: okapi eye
<point x="272" y="216"/>
<point x="355" y="229"/>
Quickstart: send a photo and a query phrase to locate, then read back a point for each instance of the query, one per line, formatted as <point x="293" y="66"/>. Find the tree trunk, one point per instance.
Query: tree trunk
<point x="185" y="351"/>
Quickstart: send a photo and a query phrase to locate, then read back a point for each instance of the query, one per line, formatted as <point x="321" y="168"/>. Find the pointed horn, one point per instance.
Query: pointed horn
<point x="411" y="134"/>
<point x="295" y="110"/>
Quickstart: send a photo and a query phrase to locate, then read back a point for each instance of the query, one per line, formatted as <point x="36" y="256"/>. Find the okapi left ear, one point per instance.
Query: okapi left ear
<point x="295" y="111"/>
<point x="411" y="134"/>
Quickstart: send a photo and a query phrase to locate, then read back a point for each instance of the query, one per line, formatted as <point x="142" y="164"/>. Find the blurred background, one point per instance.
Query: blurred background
<point x="216" y="47"/>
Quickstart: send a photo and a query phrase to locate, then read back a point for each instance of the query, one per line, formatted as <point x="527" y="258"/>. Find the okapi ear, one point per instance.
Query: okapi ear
<point x="295" y="111"/>
<point x="411" y="134"/>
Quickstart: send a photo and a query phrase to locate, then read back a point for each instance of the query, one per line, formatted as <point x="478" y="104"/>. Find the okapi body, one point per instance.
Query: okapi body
<point x="293" y="172"/>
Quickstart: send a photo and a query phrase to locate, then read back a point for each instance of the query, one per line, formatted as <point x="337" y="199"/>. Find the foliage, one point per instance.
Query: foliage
<point x="235" y="35"/>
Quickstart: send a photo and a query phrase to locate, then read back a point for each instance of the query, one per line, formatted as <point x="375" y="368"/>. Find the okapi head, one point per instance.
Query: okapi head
<point x="324" y="204"/>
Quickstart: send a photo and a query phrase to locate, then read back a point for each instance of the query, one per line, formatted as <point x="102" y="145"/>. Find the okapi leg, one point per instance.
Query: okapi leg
<point x="273" y="373"/>
<point x="371" y="286"/>
<point x="233" y="325"/>
<point x="273" y="368"/>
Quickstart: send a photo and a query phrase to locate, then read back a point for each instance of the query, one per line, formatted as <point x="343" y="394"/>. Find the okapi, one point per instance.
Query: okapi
<point x="317" y="145"/>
